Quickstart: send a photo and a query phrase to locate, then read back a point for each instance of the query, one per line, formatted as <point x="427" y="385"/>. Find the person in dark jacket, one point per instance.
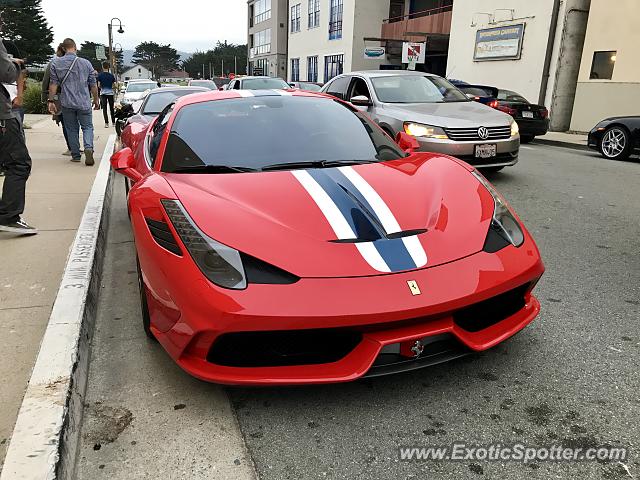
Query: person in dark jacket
<point x="13" y="152"/>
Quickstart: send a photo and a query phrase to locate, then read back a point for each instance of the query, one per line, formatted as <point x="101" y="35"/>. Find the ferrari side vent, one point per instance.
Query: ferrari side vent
<point x="483" y="314"/>
<point x="161" y="233"/>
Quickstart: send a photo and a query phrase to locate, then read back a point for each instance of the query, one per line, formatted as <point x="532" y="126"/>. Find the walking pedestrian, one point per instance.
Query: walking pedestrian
<point x="72" y="79"/>
<point x="106" y="82"/>
<point x="13" y="153"/>
<point x="46" y="80"/>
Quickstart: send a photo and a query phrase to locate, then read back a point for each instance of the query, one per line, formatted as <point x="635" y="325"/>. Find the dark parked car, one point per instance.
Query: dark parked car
<point x="533" y="120"/>
<point x="616" y="137"/>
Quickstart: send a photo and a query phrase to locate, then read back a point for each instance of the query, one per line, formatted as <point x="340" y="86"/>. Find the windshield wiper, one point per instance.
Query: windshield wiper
<point x="314" y="164"/>
<point x="212" y="169"/>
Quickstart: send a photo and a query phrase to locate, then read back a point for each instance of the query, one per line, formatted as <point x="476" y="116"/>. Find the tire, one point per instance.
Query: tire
<point x="144" y="306"/>
<point x="615" y="143"/>
<point x="526" y="138"/>
<point x="492" y="169"/>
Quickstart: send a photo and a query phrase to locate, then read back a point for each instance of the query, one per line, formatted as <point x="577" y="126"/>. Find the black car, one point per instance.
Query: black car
<point x="533" y="120"/>
<point x="616" y="137"/>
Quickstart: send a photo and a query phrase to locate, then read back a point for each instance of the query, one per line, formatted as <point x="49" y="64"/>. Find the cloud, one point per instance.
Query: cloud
<point x="187" y="26"/>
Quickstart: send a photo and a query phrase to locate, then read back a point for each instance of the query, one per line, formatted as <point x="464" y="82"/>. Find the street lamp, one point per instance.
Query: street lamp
<point x="112" y="57"/>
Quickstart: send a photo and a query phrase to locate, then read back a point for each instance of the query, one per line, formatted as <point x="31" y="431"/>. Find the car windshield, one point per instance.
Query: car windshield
<point x="210" y="84"/>
<point x="510" y="96"/>
<point x="416" y="89"/>
<point x="264" y="84"/>
<point x="141" y="87"/>
<point x="256" y="132"/>
<point x="312" y="87"/>
<point x="158" y="100"/>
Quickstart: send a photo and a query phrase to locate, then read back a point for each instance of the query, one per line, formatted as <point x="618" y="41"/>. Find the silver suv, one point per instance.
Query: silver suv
<point x="437" y="114"/>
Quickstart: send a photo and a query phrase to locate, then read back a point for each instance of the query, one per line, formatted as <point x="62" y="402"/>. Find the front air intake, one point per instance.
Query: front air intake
<point x="161" y="233"/>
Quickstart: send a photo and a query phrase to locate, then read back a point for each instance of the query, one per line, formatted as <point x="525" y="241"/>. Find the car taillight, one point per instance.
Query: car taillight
<point x="544" y="113"/>
<point x="493" y="104"/>
<point x="503" y="108"/>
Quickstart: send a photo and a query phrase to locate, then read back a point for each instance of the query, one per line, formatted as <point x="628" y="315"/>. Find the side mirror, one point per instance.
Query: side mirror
<point x="124" y="163"/>
<point x="361" y="101"/>
<point x="407" y="143"/>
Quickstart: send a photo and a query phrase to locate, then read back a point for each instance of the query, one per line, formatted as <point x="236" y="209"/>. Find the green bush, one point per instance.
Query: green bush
<point x="32" y="102"/>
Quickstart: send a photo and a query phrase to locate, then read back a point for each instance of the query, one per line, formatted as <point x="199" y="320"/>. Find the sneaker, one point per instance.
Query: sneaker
<point x="76" y="160"/>
<point x="20" y="227"/>
<point x="88" y="157"/>
<point x="67" y="153"/>
<point x="106" y="125"/>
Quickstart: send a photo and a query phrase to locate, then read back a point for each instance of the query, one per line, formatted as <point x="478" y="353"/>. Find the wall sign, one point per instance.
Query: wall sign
<point x="374" y="53"/>
<point x="499" y="43"/>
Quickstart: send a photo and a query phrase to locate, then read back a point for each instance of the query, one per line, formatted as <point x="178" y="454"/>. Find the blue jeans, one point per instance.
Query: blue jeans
<point x="73" y="121"/>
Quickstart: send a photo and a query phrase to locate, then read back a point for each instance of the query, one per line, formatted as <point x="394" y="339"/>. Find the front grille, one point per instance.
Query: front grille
<point x="471" y="134"/>
<point x="161" y="233"/>
<point x="282" y="348"/>
<point x="483" y="314"/>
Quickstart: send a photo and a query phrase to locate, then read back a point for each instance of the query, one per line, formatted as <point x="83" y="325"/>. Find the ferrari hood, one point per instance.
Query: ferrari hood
<point x="349" y="221"/>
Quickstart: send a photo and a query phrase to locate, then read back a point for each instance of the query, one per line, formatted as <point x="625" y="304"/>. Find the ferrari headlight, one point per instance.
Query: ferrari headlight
<point x="428" y="131"/>
<point x="503" y="221"/>
<point x="515" y="130"/>
<point x="221" y="264"/>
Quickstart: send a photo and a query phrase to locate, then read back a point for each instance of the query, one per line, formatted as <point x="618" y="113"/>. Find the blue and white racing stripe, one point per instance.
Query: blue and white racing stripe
<point x="355" y="211"/>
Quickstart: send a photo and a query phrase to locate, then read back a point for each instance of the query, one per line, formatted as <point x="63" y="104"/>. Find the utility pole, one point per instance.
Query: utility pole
<point x="210" y="74"/>
<point x="235" y="64"/>
<point x="223" y="67"/>
<point x="203" y="70"/>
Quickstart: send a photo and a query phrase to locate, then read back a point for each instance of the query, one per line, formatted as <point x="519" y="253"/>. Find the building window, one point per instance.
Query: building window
<point x="312" y="69"/>
<point x="259" y="67"/>
<point x="333" y="66"/>
<point x="295" y="18"/>
<point x="314" y="13"/>
<point x="262" y="10"/>
<point x="335" y="20"/>
<point x="295" y="69"/>
<point x="262" y="42"/>
<point x="602" y="65"/>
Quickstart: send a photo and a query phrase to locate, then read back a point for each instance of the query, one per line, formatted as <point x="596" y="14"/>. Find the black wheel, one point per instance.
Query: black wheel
<point x="526" y="138"/>
<point x="615" y="143"/>
<point x="144" y="306"/>
<point x="492" y="169"/>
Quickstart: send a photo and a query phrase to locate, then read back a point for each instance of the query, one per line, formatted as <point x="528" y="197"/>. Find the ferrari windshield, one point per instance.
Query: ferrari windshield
<point x="264" y="84"/>
<point x="157" y="100"/>
<point x="416" y="89"/>
<point x="262" y="131"/>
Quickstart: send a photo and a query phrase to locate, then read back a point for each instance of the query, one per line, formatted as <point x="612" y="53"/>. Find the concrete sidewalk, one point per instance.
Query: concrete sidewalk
<point x="574" y="140"/>
<point x="31" y="267"/>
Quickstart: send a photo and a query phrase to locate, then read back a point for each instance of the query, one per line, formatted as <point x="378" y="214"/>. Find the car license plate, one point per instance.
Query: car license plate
<point x="527" y="114"/>
<point x="485" y="151"/>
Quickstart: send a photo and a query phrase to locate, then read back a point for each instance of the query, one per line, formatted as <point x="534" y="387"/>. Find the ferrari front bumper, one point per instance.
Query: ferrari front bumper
<point x="382" y="309"/>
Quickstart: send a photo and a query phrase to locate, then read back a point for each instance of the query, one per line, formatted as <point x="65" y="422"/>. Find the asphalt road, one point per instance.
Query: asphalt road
<point x="572" y="377"/>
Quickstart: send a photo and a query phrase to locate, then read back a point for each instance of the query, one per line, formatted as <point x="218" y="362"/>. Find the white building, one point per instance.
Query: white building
<point x="326" y="37"/>
<point x="136" y="72"/>
<point x="531" y="47"/>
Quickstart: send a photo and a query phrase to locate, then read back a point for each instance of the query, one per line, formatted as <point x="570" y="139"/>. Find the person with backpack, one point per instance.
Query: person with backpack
<point x="71" y="80"/>
<point x="46" y="80"/>
<point x="14" y="155"/>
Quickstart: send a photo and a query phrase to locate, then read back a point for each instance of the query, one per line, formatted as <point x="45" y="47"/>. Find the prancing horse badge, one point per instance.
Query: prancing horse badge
<point x="413" y="287"/>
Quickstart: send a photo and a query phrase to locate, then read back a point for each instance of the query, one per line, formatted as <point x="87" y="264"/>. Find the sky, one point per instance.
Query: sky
<point x="187" y="26"/>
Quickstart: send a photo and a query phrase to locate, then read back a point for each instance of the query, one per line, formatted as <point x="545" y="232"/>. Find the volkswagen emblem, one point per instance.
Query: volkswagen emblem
<point x="483" y="133"/>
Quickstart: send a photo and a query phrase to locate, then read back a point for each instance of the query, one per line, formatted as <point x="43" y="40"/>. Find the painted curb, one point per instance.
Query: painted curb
<point x="45" y="438"/>
<point x="560" y="143"/>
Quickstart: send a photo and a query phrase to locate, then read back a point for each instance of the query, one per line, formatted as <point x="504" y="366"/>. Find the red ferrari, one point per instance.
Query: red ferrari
<point x="283" y="238"/>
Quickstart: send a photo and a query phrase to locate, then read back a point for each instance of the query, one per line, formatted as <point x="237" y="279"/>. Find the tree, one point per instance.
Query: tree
<point x="88" y="50"/>
<point x="24" y="23"/>
<point x="225" y="53"/>
<point x="155" y="57"/>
